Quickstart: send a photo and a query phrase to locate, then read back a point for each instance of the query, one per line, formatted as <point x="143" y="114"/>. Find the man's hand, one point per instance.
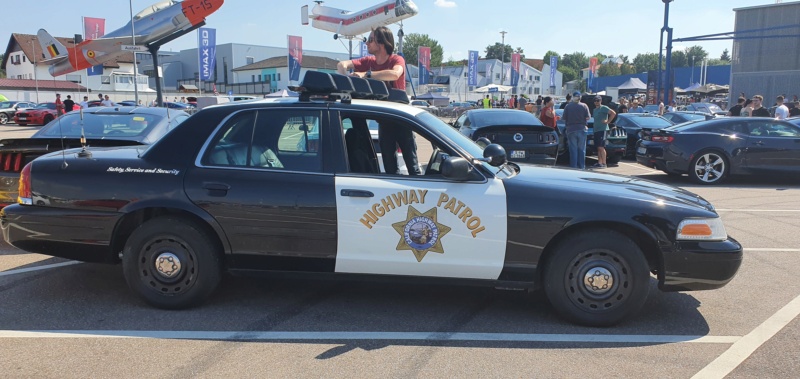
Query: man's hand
<point x="359" y="74"/>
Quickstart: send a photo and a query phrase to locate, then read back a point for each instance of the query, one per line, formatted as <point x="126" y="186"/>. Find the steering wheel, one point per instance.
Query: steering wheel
<point x="115" y="132"/>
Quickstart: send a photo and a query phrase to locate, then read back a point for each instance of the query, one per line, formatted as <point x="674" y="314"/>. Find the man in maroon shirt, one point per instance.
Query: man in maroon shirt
<point x="383" y="65"/>
<point x="389" y="68"/>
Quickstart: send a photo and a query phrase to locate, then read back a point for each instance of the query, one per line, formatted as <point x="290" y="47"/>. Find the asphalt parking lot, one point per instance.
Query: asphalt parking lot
<point x="65" y="319"/>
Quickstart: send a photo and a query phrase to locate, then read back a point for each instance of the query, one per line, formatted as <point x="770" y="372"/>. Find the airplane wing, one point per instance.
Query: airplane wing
<point x="55" y="60"/>
<point x="108" y="45"/>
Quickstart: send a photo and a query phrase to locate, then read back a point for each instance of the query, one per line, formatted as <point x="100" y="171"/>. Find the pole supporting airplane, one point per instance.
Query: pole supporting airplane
<point x="153" y="24"/>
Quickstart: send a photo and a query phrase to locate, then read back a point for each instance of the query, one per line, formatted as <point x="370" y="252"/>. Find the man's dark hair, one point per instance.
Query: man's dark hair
<point x="547" y="99"/>
<point x="741" y="100"/>
<point x="383" y="36"/>
<point x="569" y="97"/>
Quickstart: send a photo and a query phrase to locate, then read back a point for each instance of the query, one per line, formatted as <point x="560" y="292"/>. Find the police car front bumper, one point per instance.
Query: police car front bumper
<point x="696" y="265"/>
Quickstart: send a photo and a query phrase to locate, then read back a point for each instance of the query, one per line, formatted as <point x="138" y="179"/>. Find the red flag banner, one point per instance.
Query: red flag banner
<point x="94" y="28"/>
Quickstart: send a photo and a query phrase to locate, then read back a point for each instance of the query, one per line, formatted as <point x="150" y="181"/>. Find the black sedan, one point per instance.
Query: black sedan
<point x="710" y="151"/>
<point x="680" y="117"/>
<point x="523" y="136"/>
<point x="232" y="189"/>
<point x="633" y="124"/>
<point x="102" y="126"/>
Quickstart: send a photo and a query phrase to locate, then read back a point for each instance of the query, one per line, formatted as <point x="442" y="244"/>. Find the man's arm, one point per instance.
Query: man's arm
<point x="343" y="66"/>
<point x="611" y="115"/>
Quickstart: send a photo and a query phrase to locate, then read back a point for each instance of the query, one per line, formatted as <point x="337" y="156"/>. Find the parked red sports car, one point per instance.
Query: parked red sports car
<point x="40" y="115"/>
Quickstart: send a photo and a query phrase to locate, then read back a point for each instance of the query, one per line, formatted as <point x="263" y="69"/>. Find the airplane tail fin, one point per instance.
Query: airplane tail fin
<point x="50" y="46"/>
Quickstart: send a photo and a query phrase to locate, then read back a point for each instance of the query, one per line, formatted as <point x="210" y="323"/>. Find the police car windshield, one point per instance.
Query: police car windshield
<point x="465" y="143"/>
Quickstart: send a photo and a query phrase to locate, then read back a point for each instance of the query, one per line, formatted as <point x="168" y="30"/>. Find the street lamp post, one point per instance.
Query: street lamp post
<point x="35" y="78"/>
<point x="503" y="58"/>
<point x="692" y="83"/>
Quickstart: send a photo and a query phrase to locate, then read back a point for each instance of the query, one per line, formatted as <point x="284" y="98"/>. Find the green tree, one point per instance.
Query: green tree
<point x="600" y="57"/>
<point x="576" y="60"/>
<point x="609" y="70"/>
<point x="549" y="54"/>
<point x="718" y="62"/>
<point x="2" y="70"/>
<point x="725" y="56"/>
<point x="569" y="73"/>
<point x="454" y="63"/>
<point x="413" y="41"/>
<point x="696" y="52"/>
<point x="499" y="51"/>
<point x="624" y="59"/>
<point x="627" y="69"/>
<point x="520" y="52"/>
<point x="646" y="62"/>
<point x="679" y="59"/>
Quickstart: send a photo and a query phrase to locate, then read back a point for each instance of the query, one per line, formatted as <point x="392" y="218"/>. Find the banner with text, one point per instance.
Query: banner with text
<point x="472" y="68"/>
<point x="363" y="49"/>
<point x="424" y="60"/>
<point x="515" y="60"/>
<point x="295" y="56"/>
<point x="553" y="67"/>
<point x="94" y="28"/>
<point x="207" y="52"/>
<point x="592" y="72"/>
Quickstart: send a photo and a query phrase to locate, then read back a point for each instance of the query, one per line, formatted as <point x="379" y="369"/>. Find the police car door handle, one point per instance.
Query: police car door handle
<point x="356" y="193"/>
<point x="216" y="189"/>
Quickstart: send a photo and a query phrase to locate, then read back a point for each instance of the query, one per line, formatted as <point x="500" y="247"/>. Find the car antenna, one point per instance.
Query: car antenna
<point x="83" y="153"/>
<point x="61" y="132"/>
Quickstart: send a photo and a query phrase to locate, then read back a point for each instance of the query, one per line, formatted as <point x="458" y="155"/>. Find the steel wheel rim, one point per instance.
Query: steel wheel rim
<point x="148" y="263"/>
<point x="3" y="118"/>
<point x="709" y="167"/>
<point x="598" y="299"/>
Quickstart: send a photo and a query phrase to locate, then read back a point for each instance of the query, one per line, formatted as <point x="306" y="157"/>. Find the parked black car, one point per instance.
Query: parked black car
<point x="633" y="124"/>
<point x="523" y="136"/>
<point x="685" y="116"/>
<point x="102" y="126"/>
<point x="710" y="151"/>
<point x="232" y="189"/>
<point x="9" y="108"/>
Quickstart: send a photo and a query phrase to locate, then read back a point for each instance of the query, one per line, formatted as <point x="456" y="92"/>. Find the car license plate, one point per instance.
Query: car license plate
<point x="641" y="150"/>
<point x="23" y="118"/>
<point x="517" y="153"/>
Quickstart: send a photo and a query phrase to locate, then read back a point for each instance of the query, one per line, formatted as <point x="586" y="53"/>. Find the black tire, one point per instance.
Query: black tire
<point x="709" y="167"/>
<point x="3" y="119"/>
<point x="569" y="283"/>
<point x="22" y="124"/>
<point x="167" y="239"/>
<point x="47" y="119"/>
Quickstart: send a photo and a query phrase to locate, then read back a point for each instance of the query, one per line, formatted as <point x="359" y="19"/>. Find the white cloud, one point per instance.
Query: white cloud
<point x="445" y="3"/>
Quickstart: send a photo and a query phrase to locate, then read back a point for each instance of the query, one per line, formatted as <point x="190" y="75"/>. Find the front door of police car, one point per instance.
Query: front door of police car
<point x="397" y="224"/>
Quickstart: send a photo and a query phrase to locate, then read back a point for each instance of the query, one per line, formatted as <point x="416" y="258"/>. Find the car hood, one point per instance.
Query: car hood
<point x="590" y="184"/>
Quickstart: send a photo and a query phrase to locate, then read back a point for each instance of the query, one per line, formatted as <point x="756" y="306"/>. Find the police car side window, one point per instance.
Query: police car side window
<point x="231" y="145"/>
<point x="293" y="135"/>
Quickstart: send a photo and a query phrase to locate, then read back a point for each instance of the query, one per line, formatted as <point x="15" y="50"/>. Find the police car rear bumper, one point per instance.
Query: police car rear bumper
<point x="693" y="266"/>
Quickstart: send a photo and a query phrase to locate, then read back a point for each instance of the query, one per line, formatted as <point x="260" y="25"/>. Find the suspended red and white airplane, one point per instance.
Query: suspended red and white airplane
<point x="350" y="25"/>
<point x="154" y="23"/>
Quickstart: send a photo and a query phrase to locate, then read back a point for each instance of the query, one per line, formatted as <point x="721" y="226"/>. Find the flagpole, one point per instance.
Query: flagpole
<point x="199" y="67"/>
<point x="135" y="69"/>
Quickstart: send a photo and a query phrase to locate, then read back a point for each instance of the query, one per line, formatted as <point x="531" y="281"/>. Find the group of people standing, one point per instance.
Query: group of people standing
<point x="576" y="116"/>
<point x="754" y="108"/>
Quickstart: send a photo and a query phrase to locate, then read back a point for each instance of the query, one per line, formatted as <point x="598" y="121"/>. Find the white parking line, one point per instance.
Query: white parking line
<point x="768" y="249"/>
<point x="37" y="268"/>
<point x="380" y="336"/>
<point x="759" y="210"/>
<point x="744" y="347"/>
<point x="636" y="165"/>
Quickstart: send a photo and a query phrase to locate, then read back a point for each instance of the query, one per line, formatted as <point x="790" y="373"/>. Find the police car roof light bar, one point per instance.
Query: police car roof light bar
<point x="342" y="87"/>
<point x="379" y="89"/>
<point x="362" y="88"/>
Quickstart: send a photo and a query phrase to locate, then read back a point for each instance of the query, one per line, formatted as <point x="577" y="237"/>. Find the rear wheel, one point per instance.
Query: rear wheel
<point x="597" y="278"/>
<point x="47" y="119"/>
<point x="171" y="263"/>
<point x="3" y="119"/>
<point x="709" y="167"/>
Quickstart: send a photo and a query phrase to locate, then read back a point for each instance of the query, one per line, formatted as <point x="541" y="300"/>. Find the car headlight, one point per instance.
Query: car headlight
<point x="702" y="229"/>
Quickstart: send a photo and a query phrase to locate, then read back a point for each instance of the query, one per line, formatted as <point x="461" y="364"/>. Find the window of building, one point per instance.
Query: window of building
<point x="537" y="78"/>
<point x="249" y="60"/>
<point x="279" y="76"/>
<point x="259" y="77"/>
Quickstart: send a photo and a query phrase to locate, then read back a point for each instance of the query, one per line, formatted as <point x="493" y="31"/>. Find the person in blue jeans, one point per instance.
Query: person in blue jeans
<point x="576" y="115"/>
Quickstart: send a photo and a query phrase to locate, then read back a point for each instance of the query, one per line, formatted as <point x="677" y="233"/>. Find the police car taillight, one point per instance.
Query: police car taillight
<point x="24" y="196"/>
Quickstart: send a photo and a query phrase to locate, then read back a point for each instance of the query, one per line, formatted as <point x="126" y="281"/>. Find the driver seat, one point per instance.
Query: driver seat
<point x="360" y="153"/>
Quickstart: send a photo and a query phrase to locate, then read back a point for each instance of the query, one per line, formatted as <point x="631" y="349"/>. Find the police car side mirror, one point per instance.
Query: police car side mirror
<point x="495" y="155"/>
<point x="456" y="168"/>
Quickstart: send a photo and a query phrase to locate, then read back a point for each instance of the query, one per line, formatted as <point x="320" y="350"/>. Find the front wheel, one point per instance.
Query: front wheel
<point x="171" y="263"/>
<point x="708" y="167"/>
<point x="597" y="278"/>
<point x="47" y="119"/>
<point x="3" y="119"/>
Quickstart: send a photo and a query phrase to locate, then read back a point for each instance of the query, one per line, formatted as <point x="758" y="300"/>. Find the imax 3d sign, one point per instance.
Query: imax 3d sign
<point x="207" y="52"/>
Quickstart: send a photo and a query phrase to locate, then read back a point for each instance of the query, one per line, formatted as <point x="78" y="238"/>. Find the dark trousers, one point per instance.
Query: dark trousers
<point x="391" y="136"/>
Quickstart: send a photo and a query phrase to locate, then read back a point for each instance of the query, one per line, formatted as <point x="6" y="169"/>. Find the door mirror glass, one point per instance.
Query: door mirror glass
<point x="456" y="168"/>
<point x="495" y="155"/>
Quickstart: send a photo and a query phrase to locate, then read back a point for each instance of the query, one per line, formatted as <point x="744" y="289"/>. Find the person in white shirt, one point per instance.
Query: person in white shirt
<point x="781" y="112"/>
<point x="85" y="103"/>
<point x="107" y="102"/>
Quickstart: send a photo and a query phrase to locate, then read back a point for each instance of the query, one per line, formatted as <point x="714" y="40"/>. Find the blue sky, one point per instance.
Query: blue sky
<point x="620" y="27"/>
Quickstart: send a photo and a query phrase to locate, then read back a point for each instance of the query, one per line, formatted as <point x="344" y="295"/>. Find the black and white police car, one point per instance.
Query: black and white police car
<point x="243" y="188"/>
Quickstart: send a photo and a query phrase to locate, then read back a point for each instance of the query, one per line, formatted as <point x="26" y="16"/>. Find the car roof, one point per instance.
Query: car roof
<point x="132" y="110"/>
<point x="373" y="104"/>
